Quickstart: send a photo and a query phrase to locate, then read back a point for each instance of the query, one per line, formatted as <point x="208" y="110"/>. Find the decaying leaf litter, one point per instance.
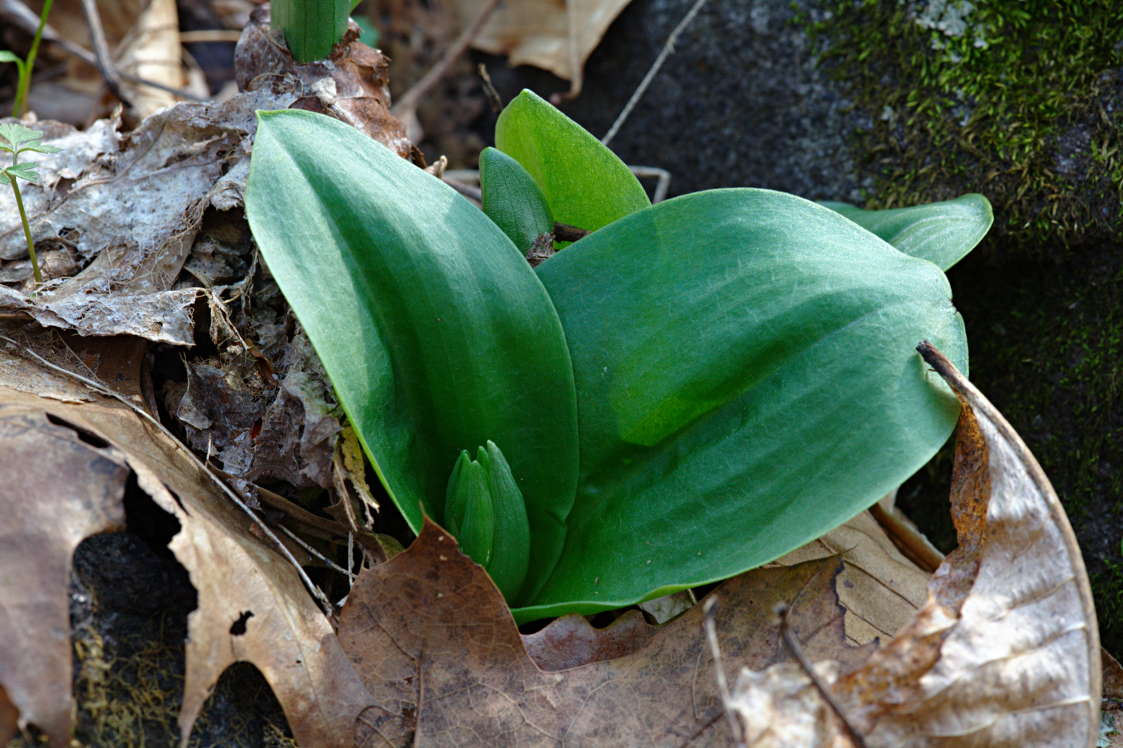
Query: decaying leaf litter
<point x="382" y="670"/>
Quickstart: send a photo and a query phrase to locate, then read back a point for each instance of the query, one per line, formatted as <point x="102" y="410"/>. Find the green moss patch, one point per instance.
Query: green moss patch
<point x="1019" y="100"/>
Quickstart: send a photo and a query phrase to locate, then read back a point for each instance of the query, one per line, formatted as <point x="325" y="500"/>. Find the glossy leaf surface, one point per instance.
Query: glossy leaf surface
<point x="511" y="198"/>
<point x="585" y="184"/>
<point x="940" y="232"/>
<point x="433" y="329"/>
<point x="747" y="381"/>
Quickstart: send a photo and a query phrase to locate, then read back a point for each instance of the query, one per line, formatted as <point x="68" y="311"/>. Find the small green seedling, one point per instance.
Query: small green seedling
<point x="25" y="66"/>
<point x="17" y="139"/>
<point x="691" y="390"/>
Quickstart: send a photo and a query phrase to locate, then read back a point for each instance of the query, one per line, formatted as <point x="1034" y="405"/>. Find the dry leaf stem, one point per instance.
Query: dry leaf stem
<point x="668" y="47"/>
<point x="792" y="645"/>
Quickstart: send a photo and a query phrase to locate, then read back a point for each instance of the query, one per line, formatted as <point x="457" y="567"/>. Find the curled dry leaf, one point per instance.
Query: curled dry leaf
<point x="128" y="207"/>
<point x="59" y="489"/>
<point x="1005" y="652"/>
<point x="436" y="646"/>
<point x="554" y="36"/>
<point x="353" y="85"/>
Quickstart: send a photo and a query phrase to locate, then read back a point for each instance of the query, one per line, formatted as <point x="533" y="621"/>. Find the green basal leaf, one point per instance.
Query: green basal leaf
<point x="585" y="184"/>
<point x="512" y="200"/>
<point x="434" y="331"/>
<point x="940" y="232"/>
<point x="311" y="27"/>
<point x="747" y="377"/>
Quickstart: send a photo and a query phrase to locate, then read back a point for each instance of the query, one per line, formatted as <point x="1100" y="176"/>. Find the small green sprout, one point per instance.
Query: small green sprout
<point x="16" y="139"/>
<point x="25" y="66"/>
<point x="312" y="27"/>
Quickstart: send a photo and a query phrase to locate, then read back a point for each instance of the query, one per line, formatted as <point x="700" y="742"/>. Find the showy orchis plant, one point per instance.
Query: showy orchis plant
<point x="17" y="139"/>
<point x="691" y="390"/>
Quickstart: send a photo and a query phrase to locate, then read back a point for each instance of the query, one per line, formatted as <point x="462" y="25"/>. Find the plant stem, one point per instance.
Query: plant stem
<point x="20" y="105"/>
<point x="26" y="228"/>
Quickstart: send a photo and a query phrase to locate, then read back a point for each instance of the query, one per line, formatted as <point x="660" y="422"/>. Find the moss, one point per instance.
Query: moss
<point x="1003" y="97"/>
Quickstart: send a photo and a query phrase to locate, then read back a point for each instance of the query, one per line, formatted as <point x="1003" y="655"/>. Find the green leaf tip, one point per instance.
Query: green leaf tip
<point x="942" y="232"/>
<point x="513" y="200"/>
<point x="485" y="511"/>
<point x="585" y="184"/>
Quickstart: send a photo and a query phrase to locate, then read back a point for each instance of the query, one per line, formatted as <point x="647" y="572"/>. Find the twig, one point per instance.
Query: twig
<point x="408" y="103"/>
<point x="199" y="464"/>
<point x="668" y="46"/>
<point x="313" y="552"/>
<point x="101" y="52"/>
<point x="722" y="686"/>
<point x="662" y="180"/>
<point x="493" y="96"/>
<point x="792" y="645"/>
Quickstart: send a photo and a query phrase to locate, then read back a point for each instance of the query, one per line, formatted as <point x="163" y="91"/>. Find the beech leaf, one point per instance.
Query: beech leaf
<point x="1005" y="651"/>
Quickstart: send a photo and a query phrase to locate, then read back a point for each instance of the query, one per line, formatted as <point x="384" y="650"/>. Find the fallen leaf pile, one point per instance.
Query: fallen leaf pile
<point x="147" y="246"/>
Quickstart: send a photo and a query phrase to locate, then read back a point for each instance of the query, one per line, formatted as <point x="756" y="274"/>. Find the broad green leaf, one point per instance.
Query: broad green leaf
<point x="311" y="27"/>
<point x="512" y="200"/>
<point x="433" y="329"/>
<point x="585" y="184"/>
<point x="747" y="380"/>
<point x="940" y="232"/>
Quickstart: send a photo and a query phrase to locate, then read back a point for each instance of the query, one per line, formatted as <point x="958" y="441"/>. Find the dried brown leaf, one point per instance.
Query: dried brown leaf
<point x="437" y="648"/>
<point x="554" y="36"/>
<point x="1113" y="677"/>
<point x="353" y="85"/>
<point x="57" y="490"/>
<point x="879" y="588"/>
<point x="1005" y="652"/>
<point x="151" y="50"/>
<point x="129" y="207"/>
<point x="252" y="605"/>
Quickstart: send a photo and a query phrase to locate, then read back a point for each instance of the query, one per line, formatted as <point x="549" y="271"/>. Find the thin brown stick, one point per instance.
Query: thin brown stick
<point x="722" y="686"/>
<point x="792" y="645"/>
<point x="489" y="89"/>
<point x="410" y="99"/>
